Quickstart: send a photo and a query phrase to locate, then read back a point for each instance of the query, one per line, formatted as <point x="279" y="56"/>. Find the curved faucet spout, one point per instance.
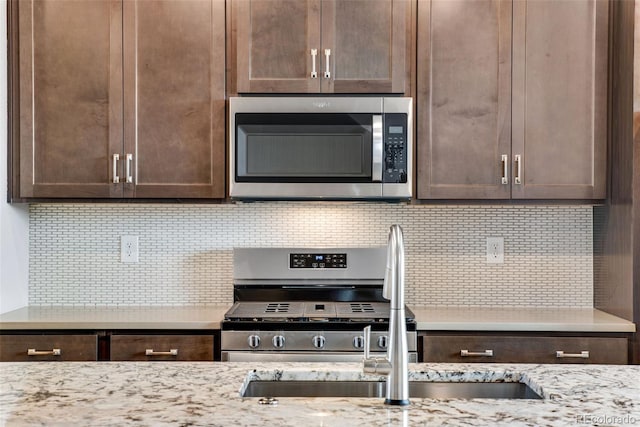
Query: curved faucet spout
<point x="395" y="365"/>
<point x="393" y="288"/>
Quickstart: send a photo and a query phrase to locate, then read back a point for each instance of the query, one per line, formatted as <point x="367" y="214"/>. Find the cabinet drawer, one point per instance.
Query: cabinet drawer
<point x="162" y="347"/>
<point x="37" y="348"/>
<point x="520" y="349"/>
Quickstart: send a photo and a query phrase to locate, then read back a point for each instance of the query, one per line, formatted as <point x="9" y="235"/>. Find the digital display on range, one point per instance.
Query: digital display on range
<point x="317" y="261"/>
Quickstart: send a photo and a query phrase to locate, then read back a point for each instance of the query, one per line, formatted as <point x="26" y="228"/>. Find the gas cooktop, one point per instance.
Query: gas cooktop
<point x="303" y="311"/>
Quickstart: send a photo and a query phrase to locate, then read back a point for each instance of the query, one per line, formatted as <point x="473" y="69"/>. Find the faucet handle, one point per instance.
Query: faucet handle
<point x="367" y="341"/>
<point x="373" y="365"/>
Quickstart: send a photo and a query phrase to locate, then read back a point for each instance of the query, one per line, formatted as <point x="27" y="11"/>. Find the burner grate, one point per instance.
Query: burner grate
<point x="277" y="307"/>
<point x="255" y="310"/>
<point x="362" y="307"/>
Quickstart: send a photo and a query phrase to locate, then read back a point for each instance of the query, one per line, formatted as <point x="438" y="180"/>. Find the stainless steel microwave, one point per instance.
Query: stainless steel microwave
<point x="320" y="148"/>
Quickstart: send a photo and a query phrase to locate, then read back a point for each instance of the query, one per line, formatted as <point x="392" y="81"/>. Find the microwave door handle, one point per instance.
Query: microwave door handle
<point x="377" y="149"/>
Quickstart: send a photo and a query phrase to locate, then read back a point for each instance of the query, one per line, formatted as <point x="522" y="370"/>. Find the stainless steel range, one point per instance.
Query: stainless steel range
<point x="301" y="304"/>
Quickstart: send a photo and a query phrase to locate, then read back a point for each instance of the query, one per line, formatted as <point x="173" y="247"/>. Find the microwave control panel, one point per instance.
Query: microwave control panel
<point x="395" y="148"/>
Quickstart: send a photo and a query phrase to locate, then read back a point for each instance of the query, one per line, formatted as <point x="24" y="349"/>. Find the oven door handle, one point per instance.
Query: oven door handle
<point x="322" y="287"/>
<point x="377" y="149"/>
<point x="302" y="356"/>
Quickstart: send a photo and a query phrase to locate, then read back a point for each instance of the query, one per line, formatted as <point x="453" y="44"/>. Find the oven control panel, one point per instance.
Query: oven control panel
<point x="317" y="260"/>
<point x="307" y="341"/>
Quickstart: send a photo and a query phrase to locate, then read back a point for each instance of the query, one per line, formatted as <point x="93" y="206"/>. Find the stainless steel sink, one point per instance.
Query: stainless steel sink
<point x="417" y="389"/>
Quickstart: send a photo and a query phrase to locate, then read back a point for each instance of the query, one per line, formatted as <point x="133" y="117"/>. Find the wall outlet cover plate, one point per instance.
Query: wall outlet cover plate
<point x="495" y="250"/>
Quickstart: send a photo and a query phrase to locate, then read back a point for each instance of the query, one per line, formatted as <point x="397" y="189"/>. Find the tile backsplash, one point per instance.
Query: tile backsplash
<point x="186" y="250"/>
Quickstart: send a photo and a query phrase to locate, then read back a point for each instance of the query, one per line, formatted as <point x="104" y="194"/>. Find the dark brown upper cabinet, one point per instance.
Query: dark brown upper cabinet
<point x="121" y="99"/>
<point x="70" y="78"/>
<point x="321" y="46"/>
<point x="511" y="99"/>
<point x="174" y="98"/>
<point x="559" y="128"/>
<point x="464" y="99"/>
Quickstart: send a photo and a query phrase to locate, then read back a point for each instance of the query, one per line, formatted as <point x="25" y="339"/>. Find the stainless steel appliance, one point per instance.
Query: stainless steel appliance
<point x="320" y="147"/>
<point x="301" y="304"/>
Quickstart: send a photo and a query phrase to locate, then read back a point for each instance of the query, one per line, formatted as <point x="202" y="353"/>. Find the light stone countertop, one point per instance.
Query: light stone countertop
<point x="209" y="317"/>
<point x="532" y="319"/>
<point x="148" y="317"/>
<point x="207" y="394"/>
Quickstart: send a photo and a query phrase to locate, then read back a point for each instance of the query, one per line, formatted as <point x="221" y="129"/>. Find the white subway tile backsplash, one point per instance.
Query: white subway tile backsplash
<point x="186" y="250"/>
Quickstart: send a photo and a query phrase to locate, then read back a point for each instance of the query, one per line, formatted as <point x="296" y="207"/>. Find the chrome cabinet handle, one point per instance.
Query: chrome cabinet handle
<point x="562" y="355"/>
<point x="314" y="53"/>
<point x="116" y="178"/>
<point x="377" y="149"/>
<point x="152" y="352"/>
<point x="327" y="54"/>
<point x="129" y="159"/>
<point x="52" y="352"/>
<point x="505" y="169"/>
<point x="467" y="353"/>
<point x="518" y="179"/>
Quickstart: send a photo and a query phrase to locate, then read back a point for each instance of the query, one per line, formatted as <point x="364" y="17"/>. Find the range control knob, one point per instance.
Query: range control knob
<point x="278" y="341"/>
<point x="318" y="341"/>
<point x="382" y="342"/>
<point x="254" y="341"/>
<point x="358" y="342"/>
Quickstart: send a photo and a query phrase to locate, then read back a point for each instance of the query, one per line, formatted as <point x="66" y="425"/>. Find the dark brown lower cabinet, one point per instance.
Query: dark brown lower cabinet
<point x="524" y="349"/>
<point x="161" y="347"/>
<point x="38" y="348"/>
<point x="104" y="345"/>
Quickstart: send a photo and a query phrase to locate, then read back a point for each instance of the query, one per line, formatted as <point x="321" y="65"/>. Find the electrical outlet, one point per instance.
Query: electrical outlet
<point x="495" y="250"/>
<point x="129" y="248"/>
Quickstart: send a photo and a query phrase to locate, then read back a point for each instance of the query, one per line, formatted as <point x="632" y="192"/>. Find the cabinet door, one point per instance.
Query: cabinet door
<point x="174" y="98"/>
<point x="560" y="98"/>
<point x="70" y="97"/>
<point x="273" y="42"/>
<point x="367" y="40"/>
<point x="464" y="99"/>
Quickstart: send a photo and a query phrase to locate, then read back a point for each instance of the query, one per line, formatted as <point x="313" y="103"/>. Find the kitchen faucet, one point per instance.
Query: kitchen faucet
<point x="395" y="365"/>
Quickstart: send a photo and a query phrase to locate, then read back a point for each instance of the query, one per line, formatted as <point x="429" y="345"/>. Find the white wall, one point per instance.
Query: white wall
<point x="14" y="219"/>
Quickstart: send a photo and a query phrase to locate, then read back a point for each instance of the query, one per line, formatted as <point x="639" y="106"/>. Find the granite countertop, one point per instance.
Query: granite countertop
<point x="209" y="317"/>
<point x="204" y="393"/>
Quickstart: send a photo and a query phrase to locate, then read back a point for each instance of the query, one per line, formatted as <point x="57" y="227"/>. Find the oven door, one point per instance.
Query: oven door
<point x="292" y="151"/>
<point x="301" y="356"/>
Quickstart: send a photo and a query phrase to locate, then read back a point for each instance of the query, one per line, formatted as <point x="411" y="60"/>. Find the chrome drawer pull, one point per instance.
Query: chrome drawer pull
<point x="53" y="352"/>
<point x="581" y="355"/>
<point x="151" y="352"/>
<point x="467" y="353"/>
